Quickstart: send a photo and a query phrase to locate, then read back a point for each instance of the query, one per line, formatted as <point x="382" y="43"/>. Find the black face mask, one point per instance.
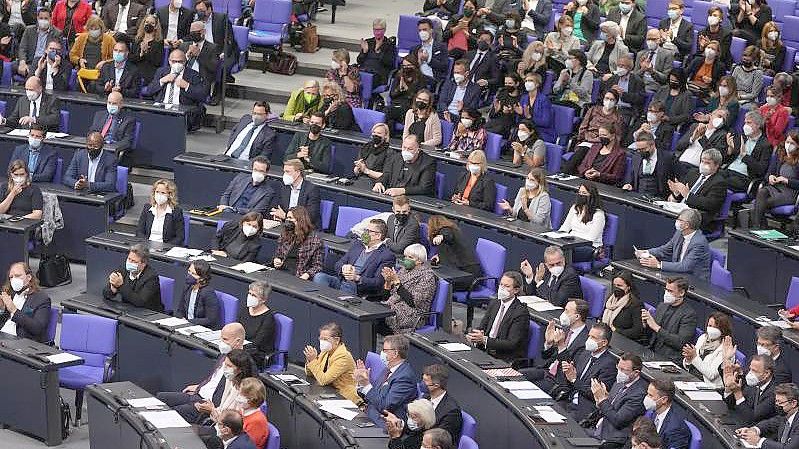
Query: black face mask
<point x="604" y="140"/>
<point x="401" y="219"/>
<point x="407" y="70"/>
<point x="376" y="140"/>
<point x="421" y="105"/>
<point x="197" y="37"/>
<point x="94" y="152"/>
<point x="674" y="84"/>
<point x="483" y="46"/>
<point x="123" y="2"/>
<point x="581" y="200"/>
<point x="617" y="292"/>
<point x="149" y="28"/>
<point x="289" y="225"/>
<point x="201" y="15"/>
<point x="316" y="129"/>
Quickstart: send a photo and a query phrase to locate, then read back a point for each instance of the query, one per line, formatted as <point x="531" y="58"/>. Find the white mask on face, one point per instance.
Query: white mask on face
<point x="258" y="177"/>
<point x="724" y="91"/>
<point x="19" y="180"/>
<point x="424" y="35"/>
<point x="652" y="45"/>
<point x="771" y="101"/>
<point x="591" y="345"/>
<point x="224" y="348"/>
<point x="334" y="65"/>
<point x="177" y="67"/>
<point x="523" y="135"/>
<point x="536" y="56"/>
<point x="622" y="377"/>
<point x="458" y="78"/>
<point x="773" y="35"/>
<point x="531" y="185"/>
<point x="622" y="71"/>
<point x="503" y="294"/>
<point x="668" y="298"/>
<point x="713" y="333"/>
<point x="748" y="130"/>
<point x="467" y="122"/>
<point x="712" y="20"/>
<point x="651" y="117"/>
<point x="407" y="155"/>
<point x="325" y="345"/>
<point x="529" y="86"/>
<point x="751" y="379"/>
<point x="249" y="230"/>
<point x="678" y="225"/>
<point x="31" y="95"/>
<point x="608" y="104"/>
<point x="717" y="122"/>
<point x="17" y="284"/>
<point x="569" y="64"/>
<point x="649" y="403"/>
<point x="229" y="373"/>
<point x="160" y="198"/>
<point x="474" y="169"/>
<point x="789" y="147"/>
<point x="704" y="169"/>
<point x="565" y="319"/>
<point x="95" y="33"/>
<point x="762" y="350"/>
<point x="567" y="31"/>
<point x="252" y="301"/>
<point x="710" y="53"/>
<point x="556" y="271"/>
<point x="287" y="179"/>
<point x="412" y="424"/>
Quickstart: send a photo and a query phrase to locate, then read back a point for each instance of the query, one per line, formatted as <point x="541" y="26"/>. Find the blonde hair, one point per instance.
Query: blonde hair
<point x="156" y="33"/>
<point x="254" y="390"/>
<point x="481" y="155"/>
<point x="172" y="192"/>
<point x="342" y="54"/>
<point x="295" y="164"/>
<point x="334" y="89"/>
<point x="94" y="22"/>
<point x="427" y="414"/>
<point x="381" y="125"/>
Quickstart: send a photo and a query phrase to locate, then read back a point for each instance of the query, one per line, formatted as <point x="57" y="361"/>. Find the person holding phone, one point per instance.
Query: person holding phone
<point x="18" y="197"/>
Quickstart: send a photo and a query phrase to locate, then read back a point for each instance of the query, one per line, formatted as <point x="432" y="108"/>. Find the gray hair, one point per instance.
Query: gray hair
<point x="140" y="250"/>
<point x="261" y="289"/>
<point x="771" y="333"/>
<point x="610" y="27"/>
<point x="423" y="408"/>
<point x="416" y="250"/>
<point x="713" y="154"/>
<point x="553" y="250"/>
<point x="692" y="217"/>
<point x="755" y="116"/>
<point x="440" y="438"/>
<point x="379" y="23"/>
<point x="399" y="343"/>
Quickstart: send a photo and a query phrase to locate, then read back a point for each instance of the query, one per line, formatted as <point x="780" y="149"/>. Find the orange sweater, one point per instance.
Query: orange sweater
<point x="257" y="427"/>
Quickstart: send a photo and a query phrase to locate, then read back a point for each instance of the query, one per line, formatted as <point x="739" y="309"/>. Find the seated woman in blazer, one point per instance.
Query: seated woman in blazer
<point x="532" y="203"/>
<point x="241" y="239"/>
<point x="712" y="350"/>
<point x="198" y="303"/>
<point x="373" y="155"/>
<point x="422" y="121"/>
<point x="475" y="187"/>
<point x="163" y="220"/>
<point x="299" y="249"/>
<point x="605" y="160"/>
<point x="453" y="250"/>
<point x="333" y="365"/>
<point x="24" y="309"/>
<point x="623" y="308"/>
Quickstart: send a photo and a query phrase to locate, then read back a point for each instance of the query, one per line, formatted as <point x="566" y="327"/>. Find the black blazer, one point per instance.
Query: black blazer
<point x="566" y="286"/>
<point x="782" y="371"/>
<point x="635" y="33"/>
<point x="685" y="35"/>
<point x="309" y="198"/>
<point x="483" y="194"/>
<point x="32" y="318"/>
<point x="148" y="62"/>
<point x="487" y="69"/>
<point x="628" y="322"/>
<point x="219" y="26"/>
<point x="438" y="61"/>
<point x="456" y="252"/>
<point x="757" y="405"/>
<point x="206" y="307"/>
<point x="122" y="134"/>
<point x="263" y="143"/>
<point x="662" y="173"/>
<point x="717" y="70"/>
<point x="144" y="291"/>
<point x="774" y="427"/>
<point x="260" y="330"/>
<point x="603" y="369"/>
<point x="45" y="165"/>
<point x="757" y="162"/>
<point x="448" y="416"/>
<point x="185" y="17"/>
<point x="192" y="96"/>
<point x="341" y="118"/>
<point x="231" y="239"/>
<point x="129" y="82"/>
<point x="173" y="231"/>
<point x="676" y="332"/>
<point x="710" y="197"/>
<point x="635" y="95"/>
<point x="417" y="177"/>
<point x="207" y="61"/>
<point x="259" y="201"/>
<point x="513" y="333"/>
<point x="49" y="113"/>
<point x="551" y="354"/>
<point x="60" y="78"/>
<point x="716" y="140"/>
<point x="400" y="237"/>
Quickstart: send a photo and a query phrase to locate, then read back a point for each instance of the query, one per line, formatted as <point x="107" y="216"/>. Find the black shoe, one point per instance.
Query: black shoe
<point x="230" y="79"/>
<point x="214" y="101"/>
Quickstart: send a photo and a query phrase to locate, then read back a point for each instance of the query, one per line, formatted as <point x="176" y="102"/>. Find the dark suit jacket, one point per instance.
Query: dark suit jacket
<point x="438" y="61"/>
<point x="206" y="307"/>
<point x="260" y="200"/>
<point x="757" y="162"/>
<point x="709" y="199"/>
<point x="144" y="291"/>
<point x="417" y="177"/>
<point x="309" y="198"/>
<point x="565" y="287"/>
<point x="685" y="35"/>
<point x="483" y="194"/>
<point x="121" y="131"/>
<point x="716" y="140"/>
<point x="774" y="427"/>
<point x="263" y="143"/>
<point x="318" y="151"/>
<point x="173" y="231"/>
<point x="405" y="236"/>
<point x="674" y="433"/>
<point x="551" y="354"/>
<point x="49" y="113"/>
<point x="717" y="70"/>
<point x="448" y="416"/>
<point x="725" y="41"/>
<point x="782" y="370"/>
<point x="219" y="27"/>
<point x="371" y="277"/>
<point x="105" y="178"/>
<point x="674" y="334"/>
<point x="230" y="236"/>
<point x="513" y="332"/>
<point x="393" y="395"/>
<point x="623" y="406"/>
<point x="541" y="15"/>
<point x="129" y="82"/>
<point x="192" y="96"/>
<point x="471" y="99"/>
<point x="756" y="406"/>
<point x="488" y="69"/>
<point x="208" y="59"/>
<point x="662" y="172"/>
<point x="242" y="441"/>
<point x="697" y="257"/>
<point x="60" y="78"/>
<point x="32" y="318"/>
<point x="185" y="17"/>
<point x="635" y="95"/>
<point x="136" y="12"/>
<point x="635" y="33"/>
<point x="663" y="136"/>
<point x="27" y="43"/>
<point x="603" y="369"/>
<point x="45" y="164"/>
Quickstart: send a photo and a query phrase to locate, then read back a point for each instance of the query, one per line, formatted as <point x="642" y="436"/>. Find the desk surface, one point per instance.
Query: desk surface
<point x="781" y="246"/>
<point x="31" y="353"/>
<point x="21" y="226"/>
<point x="65" y="193"/>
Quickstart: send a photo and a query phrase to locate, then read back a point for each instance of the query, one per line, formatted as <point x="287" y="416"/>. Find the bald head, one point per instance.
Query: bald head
<point x="233" y="334"/>
<point x="115" y="98"/>
<point x="177" y="55"/>
<point x="34" y="83"/>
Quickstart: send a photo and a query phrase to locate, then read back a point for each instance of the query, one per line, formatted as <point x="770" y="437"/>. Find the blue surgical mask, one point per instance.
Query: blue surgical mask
<point x="119" y="56"/>
<point x="131" y="267"/>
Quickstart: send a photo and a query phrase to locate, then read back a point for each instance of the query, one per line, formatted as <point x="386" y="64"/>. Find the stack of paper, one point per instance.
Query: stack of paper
<point x="210" y="336"/>
<point x="525" y="390"/>
<point x="455" y="347"/>
<point x="770" y="234"/>
<point x="55" y="135"/>
<point x="543" y="306"/>
<point x="165" y="420"/>
<point x="530" y="299"/>
<point x="206" y="257"/>
<point x="190" y="330"/>
<point x="672" y="206"/>
<point x="181" y="253"/>
<point x="555" y="234"/>
<point x="148" y="403"/>
<point x="548" y="414"/>
<point x="704" y="395"/>
<point x="63" y="357"/>
<point x="659" y="365"/>
<point x="249" y="267"/>
<point x="171" y="322"/>
<point x="694" y="386"/>
<point x="291" y="379"/>
<point x="339" y="407"/>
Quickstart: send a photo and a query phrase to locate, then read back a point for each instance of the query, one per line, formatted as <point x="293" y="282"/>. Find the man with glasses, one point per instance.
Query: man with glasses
<point x="396" y="386"/>
<point x="686" y="252"/>
<point x="252" y="136"/>
<point x="403" y="226"/>
<point x="783" y="429"/>
<point x="176" y="84"/>
<point x="620" y="407"/>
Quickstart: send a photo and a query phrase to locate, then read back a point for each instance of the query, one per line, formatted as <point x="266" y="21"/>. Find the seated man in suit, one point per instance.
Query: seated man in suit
<point x="24" y="308"/>
<point x="483" y="67"/>
<point x="654" y="122"/>
<point x="361" y="267"/>
<point x="403" y="226"/>
<point x="249" y="193"/>
<point x="121" y="76"/>
<point x="92" y="169"/>
<point x="136" y="282"/>
<point x="432" y="55"/>
<point x="754" y="401"/>
<point x="698" y="138"/>
<point x="458" y="93"/>
<point x="505" y="327"/>
<point x="677" y="32"/>
<point x="769" y="342"/>
<point x="52" y="69"/>
<point x="122" y="17"/>
<point x="413" y="172"/>
<point x="448" y="412"/>
<point x="177" y="84"/>
<point x="632" y="23"/>
<point x="669" y="421"/>
<point x="629" y="89"/>
<point x="704" y="189"/>
<point x="619" y="408"/>
<point x="311" y="148"/>
<point x="175" y="21"/>
<point x="297" y="192"/>
<point x="686" y="252"/>
<point x="654" y="62"/>
<point x="782" y="429"/>
<point x="230" y="432"/>
<point x="747" y="158"/>
<point x="33" y="43"/>
<point x="41" y="159"/>
<point x="563" y="340"/>
<point x="116" y="125"/>
<point x="35" y="107"/>
<point x="202" y="55"/>
<point x="552" y="279"/>
<point x="674" y="323"/>
<point x="396" y="389"/>
<point x="651" y="167"/>
<point x="252" y="136"/>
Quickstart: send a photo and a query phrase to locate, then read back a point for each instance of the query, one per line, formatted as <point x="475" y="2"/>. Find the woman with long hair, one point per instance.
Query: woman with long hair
<point x="452" y="249"/>
<point x="781" y="186"/>
<point x="299" y="249"/>
<point x="585" y="220"/>
<point x="147" y="48"/>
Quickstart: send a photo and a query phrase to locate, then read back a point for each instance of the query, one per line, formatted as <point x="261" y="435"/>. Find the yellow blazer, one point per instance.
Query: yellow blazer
<point x="106" y="48"/>
<point x="339" y="374"/>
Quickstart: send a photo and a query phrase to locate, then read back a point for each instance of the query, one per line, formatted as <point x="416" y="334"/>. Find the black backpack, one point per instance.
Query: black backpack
<point x="66" y="417"/>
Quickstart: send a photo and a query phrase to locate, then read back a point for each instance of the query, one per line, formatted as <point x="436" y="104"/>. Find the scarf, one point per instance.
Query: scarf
<point x="613" y="307"/>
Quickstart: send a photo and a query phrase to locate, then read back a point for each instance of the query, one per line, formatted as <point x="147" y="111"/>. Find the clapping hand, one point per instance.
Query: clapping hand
<point x="310" y="353"/>
<point x="599" y="390"/>
<point x="569" y="371"/>
<point x="688" y="353"/>
<point x="361" y="373"/>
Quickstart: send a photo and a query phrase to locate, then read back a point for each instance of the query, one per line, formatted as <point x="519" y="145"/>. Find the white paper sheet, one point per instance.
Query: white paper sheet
<point x="659" y="365"/>
<point x="672" y="206"/>
<point x="210" y="336"/>
<point x="555" y="234"/>
<point x="704" y="395"/>
<point x="343" y="403"/>
<point x="518" y="385"/>
<point x="145" y="402"/>
<point x="63" y="357"/>
<point x="544" y="306"/>
<point x="530" y="394"/>
<point x="530" y="299"/>
<point x="782" y="324"/>
<point x="455" y="347"/>
<point x="693" y="386"/>
<point x="206" y="258"/>
<point x="171" y="321"/>
<point x="181" y="252"/>
<point x="19" y="132"/>
<point x="55" y="135"/>
<point x="197" y="329"/>
<point x="549" y="414"/>
<point x="249" y="267"/>
<point x="165" y="419"/>
<point x="341" y="412"/>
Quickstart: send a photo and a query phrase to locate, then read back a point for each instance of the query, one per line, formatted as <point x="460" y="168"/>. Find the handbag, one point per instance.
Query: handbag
<point x="309" y="39"/>
<point x="54" y="270"/>
<point x="88" y="75"/>
<point x="282" y="63"/>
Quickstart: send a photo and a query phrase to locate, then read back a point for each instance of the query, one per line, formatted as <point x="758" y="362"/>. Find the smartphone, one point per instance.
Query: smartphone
<point x="15" y="219"/>
<point x="365" y="424"/>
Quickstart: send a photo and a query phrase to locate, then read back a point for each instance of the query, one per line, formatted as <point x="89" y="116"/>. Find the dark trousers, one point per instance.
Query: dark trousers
<point x="736" y="181"/>
<point x="769" y="197"/>
<point x="184" y="404"/>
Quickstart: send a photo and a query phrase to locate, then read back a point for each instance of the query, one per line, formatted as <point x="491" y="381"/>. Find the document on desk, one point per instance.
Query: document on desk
<point x="206" y="257"/>
<point x="145" y="402"/>
<point x="171" y="322"/>
<point x="341" y="412"/>
<point x="18" y="132"/>
<point x="271" y="224"/>
<point x="181" y="252"/>
<point x="548" y="414"/>
<point x="455" y="347"/>
<point x="165" y="419"/>
<point x="530" y="299"/>
<point x="249" y="267"/>
<point x="530" y="394"/>
<point x="518" y="385"/>
<point x="196" y="329"/>
<point x="63" y="357"/>
<point x="694" y="386"/>
<point x="555" y="234"/>
<point x="209" y="336"/>
<point x="55" y="135"/>
<point x="659" y="365"/>
<point x="343" y="403"/>
<point x="672" y="206"/>
<point x="543" y="306"/>
<point x="704" y="395"/>
<point x="291" y="379"/>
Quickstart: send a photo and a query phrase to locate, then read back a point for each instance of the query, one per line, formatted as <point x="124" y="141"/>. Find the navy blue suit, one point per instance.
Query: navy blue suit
<point x="438" y="61"/>
<point x="393" y="394"/>
<point x="263" y="143"/>
<point x="242" y="441"/>
<point x="260" y="200"/>
<point x="129" y="82"/>
<point x="32" y="318"/>
<point x="674" y="433"/>
<point x="45" y="164"/>
<point x="371" y="277"/>
<point x="206" y="307"/>
<point x="192" y="96"/>
<point x="603" y="369"/>
<point x="105" y="178"/>
<point x="121" y="131"/>
<point x="309" y="198"/>
<point x="471" y="99"/>
<point x="623" y="406"/>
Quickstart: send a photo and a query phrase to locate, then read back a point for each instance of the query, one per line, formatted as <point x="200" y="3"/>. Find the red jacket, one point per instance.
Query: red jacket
<point x="612" y="169"/>
<point x="79" y="18"/>
<point x="776" y="124"/>
<point x="257" y="428"/>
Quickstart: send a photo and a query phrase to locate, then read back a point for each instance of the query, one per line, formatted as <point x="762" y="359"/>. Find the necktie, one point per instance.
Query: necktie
<point x="785" y="432"/>
<point x="34" y="112"/>
<point x="384" y="378"/>
<point x="497" y="321"/>
<point x="587" y="367"/>
<point x="698" y="184"/>
<point x="646" y="169"/>
<point x="678" y="249"/>
<point x="244" y="142"/>
<point x="619" y="394"/>
<point x="476" y="62"/>
<point x="172" y="93"/>
<point x="651" y="56"/>
<point x="552" y="280"/>
<point x="107" y="125"/>
<point x="757" y="396"/>
<point x="657" y="423"/>
<point x="33" y="157"/>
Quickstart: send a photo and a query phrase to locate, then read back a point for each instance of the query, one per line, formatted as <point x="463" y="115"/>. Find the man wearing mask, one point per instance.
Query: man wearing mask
<point x="563" y="340"/>
<point x="769" y="342"/>
<point x="432" y="55"/>
<point x="395" y="389"/>
<point x="122" y="17"/>
<point x="312" y="148"/>
<point x="249" y="192"/>
<point x="783" y="429"/>
<point x="176" y="84"/>
<point x="33" y="43"/>
<point x="629" y="88"/>
<point x="674" y="323"/>
<point x="654" y="122"/>
<point x="752" y="395"/>
<point x="483" y="66"/>
<point x="704" y="189"/>
<point x="219" y="31"/>
<point x="669" y="421"/>
<point x="213" y="385"/>
<point x="136" y="283"/>
<point x="620" y="407"/>
<point x="632" y="24"/>
<point x="230" y="432"/>
<point x="748" y="155"/>
<point x="121" y="76"/>
<point x="654" y="62"/>
<point x="116" y="125"/>
<point x="505" y="327"/>
<point x="52" y="69"/>
<point x="41" y="159"/>
<point x="458" y="93"/>
<point x="252" y="136"/>
<point x="698" y="138"/>
<point x="651" y="167"/>
<point x="403" y="226"/>
<point x="297" y="192"/>
<point x="24" y="309"/>
<point x="448" y="412"/>
<point x="686" y="252"/>
<point x="35" y="107"/>
<point x="175" y="21"/>
<point x="676" y="32"/>
<point x="202" y="55"/>
<point x="360" y="268"/>
<point x="552" y="280"/>
<point x="412" y="173"/>
<point x="92" y="169"/>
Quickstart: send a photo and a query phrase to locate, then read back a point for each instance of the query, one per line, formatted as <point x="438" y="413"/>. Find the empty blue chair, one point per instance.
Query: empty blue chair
<point x="167" y="293"/>
<point x="534" y="344"/>
<point x="349" y="217"/>
<point x="326" y="212"/>
<point x="555" y="212"/>
<point x="554" y="157"/>
<point x="696" y="436"/>
<point x="5" y="81"/>
<point x="780" y="9"/>
<point x="718" y="255"/>
<point x="186" y="226"/>
<point x="440" y="301"/>
<point x="122" y="189"/>
<point x="492" y="260"/>
<point x="594" y="294"/>
<point x="502" y="194"/>
<point x="720" y="277"/>
<point x="446" y="133"/>
<point x="232" y="9"/>
<point x="441" y="180"/>
<point x="273" y="440"/>
<point x="790" y="30"/>
<point x="270" y="23"/>
<point x="493" y="146"/>
<point x="467" y="443"/>
<point x="367" y="118"/>
<point x="564" y="123"/>
<point x="376" y="367"/>
<point x="469" y="428"/>
<point x="241" y="36"/>
<point x="284" y="329"/>
<point x="407" y="35"/>
<point x="792" y="298"/>
<point x="228" y="307"/>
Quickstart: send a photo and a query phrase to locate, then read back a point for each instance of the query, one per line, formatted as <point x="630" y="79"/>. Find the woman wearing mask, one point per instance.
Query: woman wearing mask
<point x="453" y="250"/>
<point x="18" y="197"/>
<point x="147" y="49"/>
<point x="726" y="97"/>
<point x="462" y="31"/>
<point x="532" y="202"/>
<point x="406" y="83"/>
<point x="536" y="106"/>
<point x="93" y="48"/>
<point x="408" y="434"/>
<point x="606" y="51"/>
<point x="475" y="187"/>
<point x="623" y="308"/>
<point x="71" y="17"/>
<point x="256" y="425"/>
<point x="605" y="160"/>
<point x="422" y="121"/>
<point x="237" y="367"/>
<point x="710" y="353"/>
<point x="527" y="147"/>
<point x="533" y="60"/>
<point x="240" y="240"/>
<point x="411" y="290"/>
<point x="163" y="220"/>
<point x="748" y="78"/>
<point x="198" y="303"/>
<point x="338" y="113"/>
<point x="705" y="70"/>
<point x="372" y="155"/>
<point x="775" y="115"/>
<point x="676" y="99"/>
<point x="303" y="102"/>
<point x="585" y="220"/>
<point x="470" y="133"/>
<point x="605" y="114"/>
<point x="585" y="14"/>
<point x="299" y="249"/>
<point x="21" y="293"/>
<point x="575" y="83"/>
<point x="259" y="322"/>
<point x="503" y="113"/>
<point x="782" y="181"/>
<point x="559" y="43"/>
<point x="346" y="76"/>
<point x="511" y="40"/>
<point x="750" y="16"/>
<point x="715" y="32"/>
<point x="377" y="53"/>
<point x="333" y="364"/>
<point x="773" y="54"/>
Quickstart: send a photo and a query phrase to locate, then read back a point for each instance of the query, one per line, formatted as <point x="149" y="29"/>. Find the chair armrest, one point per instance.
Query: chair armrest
<point x="476" y="281"/>
<point x="108" y="367"/>
<point x="744" y="292"/>
<point x="425" y="315"/>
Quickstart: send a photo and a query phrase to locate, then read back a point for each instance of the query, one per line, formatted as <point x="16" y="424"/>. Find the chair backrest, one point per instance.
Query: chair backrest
<point x="5" y="80"/>
<point x="534" y="344"/>
<point x="186" y="227"/>
<point x="367" y="81"/>
<point x="446" y="133"/>
<point x="55" y="313"/>
<point x="788" y="63"/>
<point x="555" y="212"/>
<point x="502" y="194"/>
<point x="440" y="301"/>
<point x="564" y="123"/>
<point x="554" y="157"/>
<point x="792" y="298"/>
<point x="367" y="118"/>
<point x="63" y="124"/>
<point x="228" y="306"/>
<point x="467" y="443"/>
<point x="271" y="15"/>
<point x="59" y="169"/>
<point x="594" y="293"/>
<point x="737" y="48"/>
<point x="273" y="440"/>
<point x="219" y="224"/>
<point x="790" y="29"/>
<point x="232" y="9"/>
<point x="720" y="277"/>
<point x="441" y="180"/>
<point x="780" y="9"/>
<point x="492" y="259"/>
<point x="649" y="308"/>
<point x="326" y="212"/>
<point x="469" y="428"/>
<point x="136" y="134"/>
<point x="493" y="146"/>
<point x="284" y="329"/>
<point x="718" y="255"/>
<point x="740" y="358"/>
<point x="407" y="35"/>
<point x="92" y="337"/>
<point x="122" y="180"/>
<point x="161" y="3"/>
<point x="376" y="366"/>
<point x="167" y="292"/>
<point x="610" y="233"/>
<point x="696" y="436"/>
<point x="348" y="217"/>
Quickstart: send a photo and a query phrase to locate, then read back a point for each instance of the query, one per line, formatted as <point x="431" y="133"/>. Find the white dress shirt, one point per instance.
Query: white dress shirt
<point x="686" y="241"/>
<point x="172" y="25"/>
<point x="93" y="163"/>
<point x="209" y="29"/>
<point x="157" y="229"/>
<point x="38" y="103"/>
<point x="245" y="155"/>
<point x="171" y="90"/>
<point x="11" y="327"/>
<point x="294" y="197"/>
<point x="573" y="224"/>
<point x="207" y="390"/>
<point x="122" y="19"/>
